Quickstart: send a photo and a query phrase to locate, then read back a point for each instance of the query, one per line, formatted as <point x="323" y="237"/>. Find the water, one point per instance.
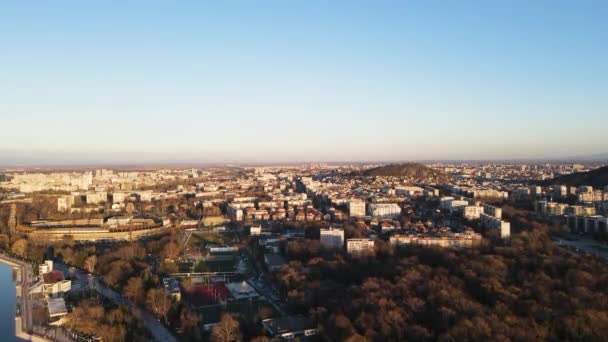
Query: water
<point x="7" y="304"/>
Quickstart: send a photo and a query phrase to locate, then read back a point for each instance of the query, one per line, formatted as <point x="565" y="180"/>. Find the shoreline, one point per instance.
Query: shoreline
<point x="20" y="334"/>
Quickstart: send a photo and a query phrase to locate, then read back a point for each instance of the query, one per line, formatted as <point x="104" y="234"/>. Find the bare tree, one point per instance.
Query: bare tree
<point x="134" y="290"/>
<point x="190" y="321"/>
<point x="159" y="302"/>
<point x="90" y="263"/>
<point x="227" y="330"/>
<point x="19" y="248"/>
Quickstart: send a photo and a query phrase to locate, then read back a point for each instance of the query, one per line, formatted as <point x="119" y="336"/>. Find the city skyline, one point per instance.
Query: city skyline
<point x="305" y="81"/>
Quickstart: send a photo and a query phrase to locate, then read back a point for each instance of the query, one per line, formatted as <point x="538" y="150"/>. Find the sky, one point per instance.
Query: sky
<point x="289" y="81"/>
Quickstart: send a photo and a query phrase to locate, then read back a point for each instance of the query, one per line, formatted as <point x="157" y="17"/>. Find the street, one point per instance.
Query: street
<point x="156" y="329"/>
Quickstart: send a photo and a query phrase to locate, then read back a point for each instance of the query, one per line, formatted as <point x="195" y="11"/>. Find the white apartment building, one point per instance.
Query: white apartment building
<point x="356" y="208"/>
<point x="495" y="223"/>
<point x="552" y="208"/>
<point x="453" y="241"/>
<point x="96" y="197"/>
<point x="445" y="202"/>
<point x="144" y="196"/>
<point x="588" y="224"/>
<point x="430" y="192"/>
<point x="234" y="212"/>
<point x="408" y="190"/>
<point x="457" y="206"/>
<point x="492" y="211"/>
<point x="358" y="247"/>
<point x="119" y="197"/>
<point x="560" y="191"/>
<point x="45" y="267"/>
<point x="65" y="203"/>
<point x="332" y="238"/>
<point x="384" y="210"/>
<point x="472" y="212"/>
<point x="255" y="230"/>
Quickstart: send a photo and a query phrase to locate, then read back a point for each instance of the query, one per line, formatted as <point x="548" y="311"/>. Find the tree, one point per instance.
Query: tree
<point x="159" y="302"/>
<point x="189" y="321"/>
<point x="19" y="248"/>
<point x="4" y="241"/>
<point x="171" y="250"/>
<point x="167" y="267"/>
<point x="90" y="263"/>
<point x="134" y="290"/>
<point x="227" y="330"/>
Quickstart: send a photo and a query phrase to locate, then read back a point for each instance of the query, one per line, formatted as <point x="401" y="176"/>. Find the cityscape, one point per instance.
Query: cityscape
<point x="295" y="251"/>
<point x="303" y="171"/>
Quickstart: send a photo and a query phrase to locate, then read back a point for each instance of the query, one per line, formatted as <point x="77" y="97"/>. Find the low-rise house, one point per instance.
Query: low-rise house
<point x="290" y="327"/>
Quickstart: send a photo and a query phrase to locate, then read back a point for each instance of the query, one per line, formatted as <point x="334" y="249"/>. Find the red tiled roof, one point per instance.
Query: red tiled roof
<point x="53" y="277"/>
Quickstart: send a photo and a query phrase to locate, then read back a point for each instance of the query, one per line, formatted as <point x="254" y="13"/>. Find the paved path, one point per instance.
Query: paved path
<point x="158" y="331"/>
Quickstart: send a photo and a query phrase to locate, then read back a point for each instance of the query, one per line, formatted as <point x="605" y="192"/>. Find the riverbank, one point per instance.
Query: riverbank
<point x="23" y="322"/>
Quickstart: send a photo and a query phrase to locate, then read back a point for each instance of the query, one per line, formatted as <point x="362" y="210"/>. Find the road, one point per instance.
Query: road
<point x="259" y="280"/>
<point x="158" y="331"/>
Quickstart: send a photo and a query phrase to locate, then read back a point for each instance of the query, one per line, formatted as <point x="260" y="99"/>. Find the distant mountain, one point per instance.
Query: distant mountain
<point x="597" y="178"/>
<point x="410" y="170"/>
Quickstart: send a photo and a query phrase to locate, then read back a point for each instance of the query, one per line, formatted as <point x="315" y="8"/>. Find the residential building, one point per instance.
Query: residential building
<point x="384" y="210"/>
<point x="357" y="247"/>
<point x="332" y="238"/>
<point x="494" y="223"/>
<point x="356" y="208"/>
<point x="492" y="211"/>
<point x="65" y="203"/>
<point x="255" y="230"/>
<point x="290" y="327"/>
<point x="472" y="212"/>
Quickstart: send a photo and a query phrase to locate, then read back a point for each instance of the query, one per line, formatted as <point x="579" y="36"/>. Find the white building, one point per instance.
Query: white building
<point x="358" y="247"/>
<point x="255" y="231"/>
<point x="119" y="197"/>
<point x="445" y="202"/>
<point x="144" y="196"/>
<point x="472" y="212"/>
<point x="492" y="211"/>
<point x="408" y="191"/>
<point x="457" y="240"/>
<point x="495" y="223"/>
<point x="431" y="192"/>
<point x="457" y="206"/>
<point x="356" y="208"/>
<point x="332" y="238"/>
<point x="46" y="267"/>
<point x="588" y="224"/>
<point x="234" y="212"/>
<point x="65" y="203"/>
<point x="96" y="197"/>
<point x="384" y="210"/>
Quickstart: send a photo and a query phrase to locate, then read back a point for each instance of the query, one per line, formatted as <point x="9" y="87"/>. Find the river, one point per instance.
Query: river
<point x="7" y="304"/>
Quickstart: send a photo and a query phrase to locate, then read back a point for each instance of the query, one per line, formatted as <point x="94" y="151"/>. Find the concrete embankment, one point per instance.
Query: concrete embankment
<point x="21" y="289"/>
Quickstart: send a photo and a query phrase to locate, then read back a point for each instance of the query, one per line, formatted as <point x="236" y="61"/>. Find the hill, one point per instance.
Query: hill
<point x="410" y="170"/>
<point x="597" y="178"/>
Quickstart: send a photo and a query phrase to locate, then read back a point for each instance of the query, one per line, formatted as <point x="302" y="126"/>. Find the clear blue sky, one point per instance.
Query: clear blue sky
<point x="227" y="81"/>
